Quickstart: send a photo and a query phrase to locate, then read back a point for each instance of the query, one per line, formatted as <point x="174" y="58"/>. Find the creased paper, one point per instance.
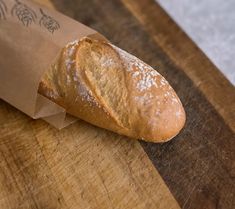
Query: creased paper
<point x="31" y="37"/>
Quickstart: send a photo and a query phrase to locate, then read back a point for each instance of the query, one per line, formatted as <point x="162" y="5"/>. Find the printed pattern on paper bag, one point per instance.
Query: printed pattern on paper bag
<point x="48" y="22"/>
<point x="28" y="16"/>
<point x="3" y="10"/>
<point x="25" y="14"/>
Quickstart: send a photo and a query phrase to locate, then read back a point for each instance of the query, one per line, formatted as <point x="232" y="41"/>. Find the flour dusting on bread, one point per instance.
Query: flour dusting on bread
<point x="145" y="74"/>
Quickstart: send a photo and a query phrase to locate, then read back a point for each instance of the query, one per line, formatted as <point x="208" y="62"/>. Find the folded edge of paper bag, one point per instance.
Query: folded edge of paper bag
<point x="52" y="113"/>
<point x="60" y="120"/>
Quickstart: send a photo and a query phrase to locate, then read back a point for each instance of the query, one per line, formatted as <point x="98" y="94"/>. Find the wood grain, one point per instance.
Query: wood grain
<point x="78" y="167"/>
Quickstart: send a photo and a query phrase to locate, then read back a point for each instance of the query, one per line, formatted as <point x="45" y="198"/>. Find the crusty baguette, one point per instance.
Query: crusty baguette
<point x="106" y="86"/>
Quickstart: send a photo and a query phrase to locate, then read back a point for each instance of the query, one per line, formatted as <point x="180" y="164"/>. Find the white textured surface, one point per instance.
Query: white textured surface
<point x="211" y="24"/>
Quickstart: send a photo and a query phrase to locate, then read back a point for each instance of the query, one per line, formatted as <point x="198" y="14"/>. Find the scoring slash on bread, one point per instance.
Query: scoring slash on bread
<point x="110" y="88"/>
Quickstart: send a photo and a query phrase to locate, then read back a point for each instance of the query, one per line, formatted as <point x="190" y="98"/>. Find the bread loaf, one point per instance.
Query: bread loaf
<point x="107" y="87"/>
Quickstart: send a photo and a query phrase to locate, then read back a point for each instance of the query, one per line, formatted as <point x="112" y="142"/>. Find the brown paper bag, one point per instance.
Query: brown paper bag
<point x="31" y="37"/>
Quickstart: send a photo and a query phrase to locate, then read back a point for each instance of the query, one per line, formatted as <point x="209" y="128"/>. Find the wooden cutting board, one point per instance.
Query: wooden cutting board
<point x="83" y="166"/>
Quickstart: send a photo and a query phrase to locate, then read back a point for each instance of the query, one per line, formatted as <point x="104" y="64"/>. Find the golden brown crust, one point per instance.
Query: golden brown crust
<point x="108" y="87"/>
